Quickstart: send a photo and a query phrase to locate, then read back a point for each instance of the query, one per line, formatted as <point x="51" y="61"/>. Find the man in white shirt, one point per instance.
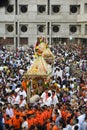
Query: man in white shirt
<point x="22" y="92"/>
<point x="48" y="102"/>
<point x="59" y="73"/>
<point x="24" y="123"/>
<point x="81" y="117"/>
<point x="22" y="101"/>
<point x="44" y="96"/>
<point x="54" y="98"/>
<point x="84" y="125"/>
<point x="9" y="110"/>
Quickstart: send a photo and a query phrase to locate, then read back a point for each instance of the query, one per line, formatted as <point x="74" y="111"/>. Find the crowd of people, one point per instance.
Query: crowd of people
<point x="62" y="105"/>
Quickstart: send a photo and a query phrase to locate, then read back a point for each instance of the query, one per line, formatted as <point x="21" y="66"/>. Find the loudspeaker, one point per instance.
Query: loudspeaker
<point x="4" y="3"/>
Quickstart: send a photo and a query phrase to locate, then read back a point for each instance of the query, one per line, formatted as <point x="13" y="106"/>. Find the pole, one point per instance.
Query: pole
<point x="28" y="94"/>
<point x="29" y="84"/>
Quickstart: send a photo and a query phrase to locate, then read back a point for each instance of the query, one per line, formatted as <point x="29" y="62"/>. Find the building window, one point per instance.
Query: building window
<point x="55" y="40"/>
<point x="10" y="8"/>
<point x="10" y="41"/>
<point x="73" y="29"/>
<point x="55" y="8"/>
<point x="55" y="29"/>
<point x="10" y="28"/>
<point x="4" y="3"/>
<point x="24" y="41"/>
<point x="86" y="29"/>
<point x="24" y="28"/>
<point x="85" y="8"/>
<point x="41" y="28"/>
<point x="73" y="8"/>
<point x="41" y="8"/>
<point x="23" y="8"/>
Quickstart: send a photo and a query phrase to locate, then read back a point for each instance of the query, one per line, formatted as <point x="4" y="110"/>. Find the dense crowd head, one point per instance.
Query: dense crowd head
<point x="60" y="105"/>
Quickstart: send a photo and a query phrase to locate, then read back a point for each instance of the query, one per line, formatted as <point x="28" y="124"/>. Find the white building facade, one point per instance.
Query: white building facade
<point x="23" y="21"/>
